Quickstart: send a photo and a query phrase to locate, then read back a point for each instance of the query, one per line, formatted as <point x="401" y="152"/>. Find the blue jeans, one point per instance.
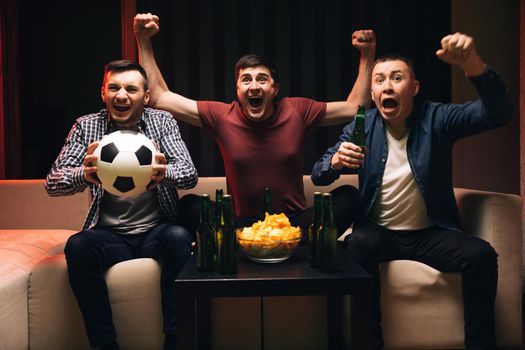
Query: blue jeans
<point x="90" y="252"/>
<point x="445" y="250"/>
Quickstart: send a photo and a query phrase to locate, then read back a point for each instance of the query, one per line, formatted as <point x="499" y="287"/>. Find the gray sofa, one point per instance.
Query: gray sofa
<point x="422" y="307"/>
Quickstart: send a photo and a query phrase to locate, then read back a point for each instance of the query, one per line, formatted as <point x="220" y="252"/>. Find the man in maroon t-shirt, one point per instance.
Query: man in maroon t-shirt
<point x="261" y="139"/>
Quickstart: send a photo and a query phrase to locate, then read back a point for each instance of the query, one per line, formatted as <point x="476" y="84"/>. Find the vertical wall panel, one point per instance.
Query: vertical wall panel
<point x="490" y="160"/>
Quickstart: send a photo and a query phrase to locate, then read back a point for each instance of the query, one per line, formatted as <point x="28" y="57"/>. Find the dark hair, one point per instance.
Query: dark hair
<point x="397" y="57"/>
<point x="253" y="60"/>
<point x="124" y="66"/>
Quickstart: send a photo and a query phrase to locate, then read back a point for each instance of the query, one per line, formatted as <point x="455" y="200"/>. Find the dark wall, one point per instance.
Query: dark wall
<point x="64" y="45"/>
<point x="200" y="41"/>
<point x="63" y="48"/>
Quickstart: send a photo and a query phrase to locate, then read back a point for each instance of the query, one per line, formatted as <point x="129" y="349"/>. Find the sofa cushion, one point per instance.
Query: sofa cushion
<point x="20" y="250"/>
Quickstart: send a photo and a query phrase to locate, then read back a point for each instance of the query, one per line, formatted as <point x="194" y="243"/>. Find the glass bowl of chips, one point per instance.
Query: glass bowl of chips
<point x="270" y="241"/>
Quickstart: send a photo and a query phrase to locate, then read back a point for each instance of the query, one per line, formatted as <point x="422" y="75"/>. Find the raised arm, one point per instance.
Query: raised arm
<point x="342" y="112"/>
<point x="183" y="109"/>
<point x="493" y="109"/>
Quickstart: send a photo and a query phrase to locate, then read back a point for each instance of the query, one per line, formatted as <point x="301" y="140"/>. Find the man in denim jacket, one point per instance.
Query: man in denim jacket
<point x="405" y="179"/>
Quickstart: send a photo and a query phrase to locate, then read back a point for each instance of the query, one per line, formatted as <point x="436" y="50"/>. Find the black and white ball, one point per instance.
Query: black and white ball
<point x="124" y="165"/>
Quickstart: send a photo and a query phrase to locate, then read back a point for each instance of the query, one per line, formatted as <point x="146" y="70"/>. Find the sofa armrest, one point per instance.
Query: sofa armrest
<point x="496" y="218"/>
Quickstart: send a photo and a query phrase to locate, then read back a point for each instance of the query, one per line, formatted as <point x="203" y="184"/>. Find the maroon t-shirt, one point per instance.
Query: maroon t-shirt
<point x="263" y="154"/>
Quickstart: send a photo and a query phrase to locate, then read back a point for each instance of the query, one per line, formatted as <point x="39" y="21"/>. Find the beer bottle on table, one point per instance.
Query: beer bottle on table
<point x="218" y="201"/>
<point x="226" y="239"/>
<point x="205" y="237"/>
<point x="327" y="252"/>
<point x="267" y="203"/>
<point x="313" y="230"/>
<point x="217" y="215"/>
<point x="358" y="134"/>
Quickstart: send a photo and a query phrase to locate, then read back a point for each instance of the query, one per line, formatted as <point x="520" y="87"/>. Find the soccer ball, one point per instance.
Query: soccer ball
<point x="124" y="164"/>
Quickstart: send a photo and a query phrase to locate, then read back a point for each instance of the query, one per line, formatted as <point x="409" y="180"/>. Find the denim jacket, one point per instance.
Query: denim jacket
<point x="434" y="128"/>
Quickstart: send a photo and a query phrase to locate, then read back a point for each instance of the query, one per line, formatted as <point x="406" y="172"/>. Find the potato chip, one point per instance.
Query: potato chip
<point x="274" y="228"/>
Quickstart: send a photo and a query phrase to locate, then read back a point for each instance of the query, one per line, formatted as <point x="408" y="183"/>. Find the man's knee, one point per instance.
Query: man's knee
<point x="177" y="239"/>
<point x="347" y="193"/>
<point x="482" y="254"/>
<point x="79" y="247"/>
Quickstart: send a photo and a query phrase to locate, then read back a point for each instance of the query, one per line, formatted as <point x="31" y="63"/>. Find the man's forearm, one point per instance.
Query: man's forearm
<point x="360" y="94"/>
<point x="147" y="60"/>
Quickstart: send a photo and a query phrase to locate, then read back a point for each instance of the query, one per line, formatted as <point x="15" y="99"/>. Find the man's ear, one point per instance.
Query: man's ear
<point x="146" y="98"/>
<point x="276" y="86"/>
<point x="103" y="94"/>
<point x="415" y="88"/>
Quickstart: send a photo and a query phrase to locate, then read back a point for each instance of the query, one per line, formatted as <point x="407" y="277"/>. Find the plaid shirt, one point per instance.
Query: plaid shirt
<point x="66" y="176"/>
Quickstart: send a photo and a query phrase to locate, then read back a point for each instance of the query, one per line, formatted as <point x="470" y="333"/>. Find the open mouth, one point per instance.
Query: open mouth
<point x="121" y="108"/>
<point x="255" y="101"/>
<point x="389" y="103"/>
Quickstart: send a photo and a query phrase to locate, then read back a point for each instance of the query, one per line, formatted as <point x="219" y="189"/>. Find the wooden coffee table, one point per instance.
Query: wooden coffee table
<point x="293" y="277"/>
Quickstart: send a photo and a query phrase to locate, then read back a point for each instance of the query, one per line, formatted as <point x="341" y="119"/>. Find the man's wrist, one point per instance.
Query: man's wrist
<point x="475" y="69"/>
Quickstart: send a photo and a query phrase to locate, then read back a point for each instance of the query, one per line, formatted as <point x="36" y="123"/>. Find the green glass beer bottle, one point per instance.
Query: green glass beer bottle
<point x="205" y="237"/>
<point x="358" y="134"/>
<point x="313" y="230"/>
<point x="218" y="201"/>
<point x="327" y="242"/>
<point x="226" y="240"/>
<point x="267" y="203"/>
<point x="217" y="216"/>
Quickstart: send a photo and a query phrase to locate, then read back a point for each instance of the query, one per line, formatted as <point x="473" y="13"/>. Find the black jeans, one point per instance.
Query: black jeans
<point x="90" y="252"/>
<point x="445" y="250"/>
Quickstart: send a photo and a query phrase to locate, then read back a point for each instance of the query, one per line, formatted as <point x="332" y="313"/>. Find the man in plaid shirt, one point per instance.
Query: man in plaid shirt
<point x="123" y="228"/>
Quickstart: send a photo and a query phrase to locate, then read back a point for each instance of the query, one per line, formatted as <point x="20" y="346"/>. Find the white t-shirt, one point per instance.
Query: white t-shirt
<point x="400" y="204"/>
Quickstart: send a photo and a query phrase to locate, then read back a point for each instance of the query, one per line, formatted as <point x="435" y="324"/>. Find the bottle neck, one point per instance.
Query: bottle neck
<point x="267" y="200"/>
<point x="318" y="209"/>
<point x="205" y="210"/>
<point x="227" y="212"/>
<point x="328" y="215"/>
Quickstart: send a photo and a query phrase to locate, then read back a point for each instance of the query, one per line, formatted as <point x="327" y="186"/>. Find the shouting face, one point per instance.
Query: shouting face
<point x="125" y="97"/>
<point x="256" y="90"/>
<point x="393" y="89"/>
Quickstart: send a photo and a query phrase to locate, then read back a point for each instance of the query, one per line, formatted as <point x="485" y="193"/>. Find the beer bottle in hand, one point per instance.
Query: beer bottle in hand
<point x="327" y="256"/>
<point x="226" y="239"/>
<point x="313" y="230"/>
<point x="358" y="134"/>
<point x="205" y="237"/>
